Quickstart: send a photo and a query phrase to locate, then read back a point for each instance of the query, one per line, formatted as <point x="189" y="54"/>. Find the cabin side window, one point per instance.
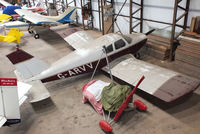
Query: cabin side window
<point x="119" y="44"/>
<point x="109" y="48"/>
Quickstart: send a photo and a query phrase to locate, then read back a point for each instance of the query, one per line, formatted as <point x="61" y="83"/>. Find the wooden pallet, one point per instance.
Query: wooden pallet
<point x="188" y="57"/>
<point x="159" y="38"/>
<point x="192" y="70"/>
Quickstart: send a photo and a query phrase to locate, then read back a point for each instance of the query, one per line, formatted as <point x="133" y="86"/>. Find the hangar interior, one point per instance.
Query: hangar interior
<point x="166" y="51"/>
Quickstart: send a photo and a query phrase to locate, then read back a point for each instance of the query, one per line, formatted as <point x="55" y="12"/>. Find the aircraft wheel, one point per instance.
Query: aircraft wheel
<point x="36" y="36"/>
<point x="29" y="31"/>
<point x="137" y="55"/>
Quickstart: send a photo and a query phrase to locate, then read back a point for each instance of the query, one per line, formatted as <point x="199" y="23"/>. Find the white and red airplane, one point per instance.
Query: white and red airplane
<point x="162" y="83"/>
<point x="89" y="55"/>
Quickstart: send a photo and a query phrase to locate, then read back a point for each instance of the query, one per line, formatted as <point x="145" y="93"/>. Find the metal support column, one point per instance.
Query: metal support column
<point x="82" y="15"/>
<point x="66" y="4"/>
<point x="140" y="10"/>
<point x="99" y="11"/>
<point x="88" y="4"/>
<point x="174" y="24"/>
<point x="102" y="17"/>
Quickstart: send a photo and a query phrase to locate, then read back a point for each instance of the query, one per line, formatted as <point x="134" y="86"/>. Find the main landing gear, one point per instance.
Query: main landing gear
<point x="36" y="35"/>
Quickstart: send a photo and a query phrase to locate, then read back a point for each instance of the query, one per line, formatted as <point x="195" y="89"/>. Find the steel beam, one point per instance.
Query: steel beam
<point x="140" y="9"/>
<point x="174" y="24"/>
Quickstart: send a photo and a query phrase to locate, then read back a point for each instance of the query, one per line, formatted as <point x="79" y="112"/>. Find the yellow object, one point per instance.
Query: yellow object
<point x="4" y="18"/>
<point x="14" y="36"/>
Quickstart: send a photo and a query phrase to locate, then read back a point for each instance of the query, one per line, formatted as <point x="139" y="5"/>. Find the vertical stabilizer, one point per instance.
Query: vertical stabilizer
<point x="68" y="16"/>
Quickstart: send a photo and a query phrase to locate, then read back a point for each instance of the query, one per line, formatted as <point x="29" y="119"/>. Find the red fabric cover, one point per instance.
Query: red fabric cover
<point x="87" y="96"/>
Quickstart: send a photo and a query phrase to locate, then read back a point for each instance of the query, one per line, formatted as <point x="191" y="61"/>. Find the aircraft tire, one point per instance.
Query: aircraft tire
<point x="137" y="55"/>
<point x="36" y="36"/>
<point x="30" y="32"/>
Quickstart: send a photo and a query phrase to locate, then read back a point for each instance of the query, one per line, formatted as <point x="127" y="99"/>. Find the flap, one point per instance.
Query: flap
<point x="162" y="83"/>
<point x="79" y="40"/>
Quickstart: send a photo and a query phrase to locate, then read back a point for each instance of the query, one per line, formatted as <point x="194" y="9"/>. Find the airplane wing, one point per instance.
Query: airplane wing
<point x="9" y="39"/>
<point x="79" y="39"/>
<point x="34" y="18"/>
<point x="162" y="83"/>
<point x="4" y="18"/>
<point x="5" y="3"/>
<point x="2" y="38"/>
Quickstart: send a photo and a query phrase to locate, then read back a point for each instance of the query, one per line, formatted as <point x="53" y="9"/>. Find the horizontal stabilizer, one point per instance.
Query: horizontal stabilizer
<point x="26" y="64"/>
<point x="38" y="91"/>
<point x="162" y="83"/>
<point x="23" y="89"/>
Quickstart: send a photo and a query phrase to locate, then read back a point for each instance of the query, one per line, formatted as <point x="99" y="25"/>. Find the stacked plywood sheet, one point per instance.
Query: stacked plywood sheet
<point x="188" y="53"/>
<point x="195" y="24"/>
<point x="157" y="46"/>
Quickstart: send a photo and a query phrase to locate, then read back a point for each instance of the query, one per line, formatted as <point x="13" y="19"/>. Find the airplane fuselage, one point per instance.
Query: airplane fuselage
<point x="85" y="60"/>
<point x="22" y="26"/>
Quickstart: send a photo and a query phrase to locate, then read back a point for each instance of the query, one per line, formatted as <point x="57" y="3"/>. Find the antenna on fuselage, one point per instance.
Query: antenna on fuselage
<point x="149" y="32"/>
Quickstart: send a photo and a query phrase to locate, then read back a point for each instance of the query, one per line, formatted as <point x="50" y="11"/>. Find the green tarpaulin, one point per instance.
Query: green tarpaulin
<point x="113" y="96"/>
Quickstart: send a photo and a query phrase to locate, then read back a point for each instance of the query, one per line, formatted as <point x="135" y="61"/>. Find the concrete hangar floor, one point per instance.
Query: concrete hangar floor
<point x="65" y="113"/>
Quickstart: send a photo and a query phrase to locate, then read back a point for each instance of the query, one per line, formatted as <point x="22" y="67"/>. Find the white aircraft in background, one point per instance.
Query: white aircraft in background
<point x="9" y="9"/>
<point x="90" y="55"/>
<point x="32" y="21"/>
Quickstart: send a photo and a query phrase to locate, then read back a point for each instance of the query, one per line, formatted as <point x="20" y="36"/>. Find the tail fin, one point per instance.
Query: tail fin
<point x="26" y="64"/>
<point x="68" y="16"/>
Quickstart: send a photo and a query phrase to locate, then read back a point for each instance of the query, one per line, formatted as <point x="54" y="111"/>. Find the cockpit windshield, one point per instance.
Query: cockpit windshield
<point x="128" y="39"/>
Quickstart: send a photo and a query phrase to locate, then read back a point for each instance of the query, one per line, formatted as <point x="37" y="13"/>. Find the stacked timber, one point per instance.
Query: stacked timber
<point x="195" y="24"/>
<point x="158" y="46"/>
<point x="188" y="52"/>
